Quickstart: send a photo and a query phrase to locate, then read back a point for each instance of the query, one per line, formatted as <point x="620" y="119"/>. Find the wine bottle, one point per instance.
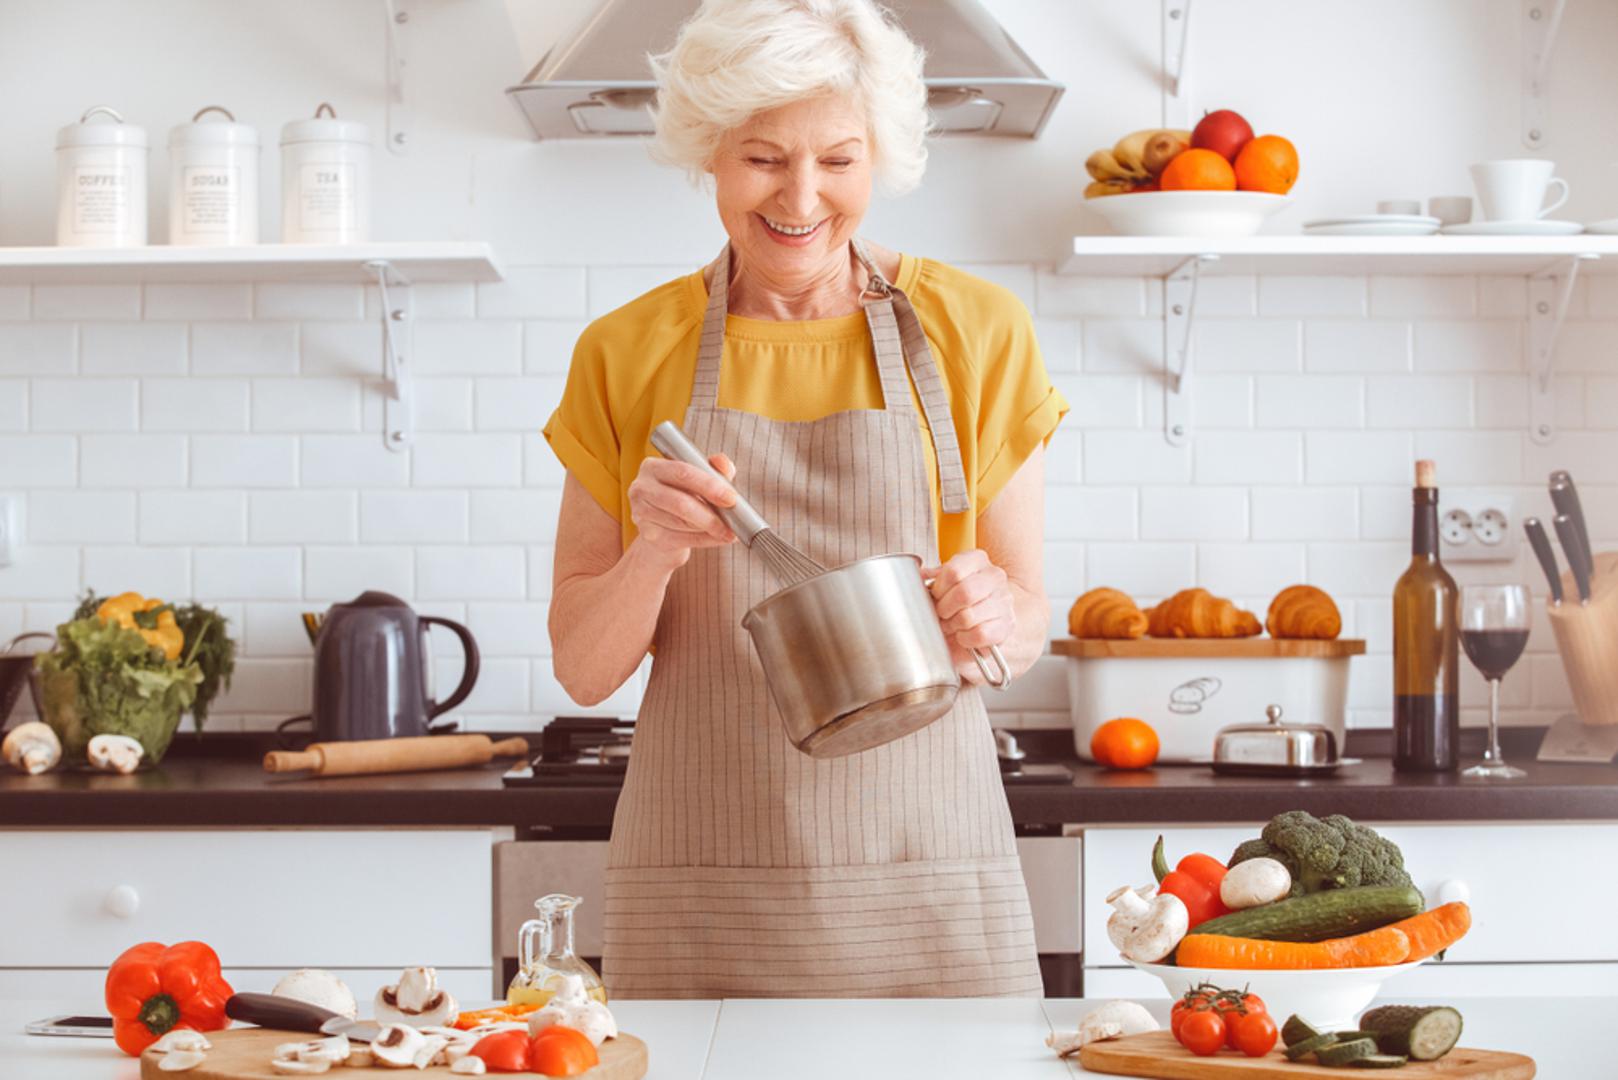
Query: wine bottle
<point x="1426" y="640"/>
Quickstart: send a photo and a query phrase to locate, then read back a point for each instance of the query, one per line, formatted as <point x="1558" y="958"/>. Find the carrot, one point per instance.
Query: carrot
<point x="1374" y="948"/>
<point x="1433" y="931"/>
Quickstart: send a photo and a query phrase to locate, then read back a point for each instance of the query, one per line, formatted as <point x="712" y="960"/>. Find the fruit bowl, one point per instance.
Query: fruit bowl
<point x="1328" y="998"/>
<point x="1188" y="213"/>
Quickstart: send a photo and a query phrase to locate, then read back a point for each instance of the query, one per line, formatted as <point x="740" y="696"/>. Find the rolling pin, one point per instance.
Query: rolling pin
<point x="394" y="755"/>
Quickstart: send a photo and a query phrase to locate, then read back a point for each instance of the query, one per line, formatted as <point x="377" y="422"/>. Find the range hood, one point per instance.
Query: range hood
<point x="595" y="80"/>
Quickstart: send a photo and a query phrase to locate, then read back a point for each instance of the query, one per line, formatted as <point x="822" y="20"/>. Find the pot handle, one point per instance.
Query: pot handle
<point x="1004" y="672"/>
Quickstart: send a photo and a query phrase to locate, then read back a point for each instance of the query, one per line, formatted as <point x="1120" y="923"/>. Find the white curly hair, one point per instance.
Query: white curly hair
<point x="735" y="58"/>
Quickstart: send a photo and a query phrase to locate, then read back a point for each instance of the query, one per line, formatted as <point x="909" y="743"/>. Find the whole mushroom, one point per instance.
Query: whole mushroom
<point x="572" y="1007"/>
<point x="416" y="999"/>
<point x="1147" y="931"/>
<point x="32" y="748"/>
<point x="317" y="986"/>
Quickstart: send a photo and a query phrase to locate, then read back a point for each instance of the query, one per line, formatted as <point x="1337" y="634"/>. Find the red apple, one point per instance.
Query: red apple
<point x="1224" y="132"/>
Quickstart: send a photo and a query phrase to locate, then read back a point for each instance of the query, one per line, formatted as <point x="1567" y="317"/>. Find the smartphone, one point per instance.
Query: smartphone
<point x="99" y="1026"/>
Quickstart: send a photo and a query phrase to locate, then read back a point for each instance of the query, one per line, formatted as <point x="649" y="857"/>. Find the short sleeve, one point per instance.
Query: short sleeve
<point x="1018" y="408"/>
<point x="581" y="431"/>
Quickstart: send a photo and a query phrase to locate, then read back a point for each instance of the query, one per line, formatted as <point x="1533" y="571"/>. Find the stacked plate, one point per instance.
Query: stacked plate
<point x="1537" y="227"/>
<point x="1373" y="225"/>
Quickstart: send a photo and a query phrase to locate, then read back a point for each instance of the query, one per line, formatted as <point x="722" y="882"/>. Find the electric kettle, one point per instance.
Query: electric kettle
<point x="371" y="670"/>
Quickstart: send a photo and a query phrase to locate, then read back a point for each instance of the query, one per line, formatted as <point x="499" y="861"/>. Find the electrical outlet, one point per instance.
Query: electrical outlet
<point x="9" y="540"/>
<point x="1475" y="525"/>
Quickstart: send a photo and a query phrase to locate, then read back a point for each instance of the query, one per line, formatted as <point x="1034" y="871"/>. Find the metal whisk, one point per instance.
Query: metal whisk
<point x="787" y="563"/>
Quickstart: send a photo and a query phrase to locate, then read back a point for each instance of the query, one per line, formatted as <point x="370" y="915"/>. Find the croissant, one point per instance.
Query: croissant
<point x="1197" y="613"/>
<point x="1105" y="613"/>
<point x="1303" y="611"/>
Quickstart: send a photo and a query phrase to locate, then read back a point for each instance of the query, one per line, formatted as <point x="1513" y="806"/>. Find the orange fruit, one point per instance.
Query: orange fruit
<point x="1198" y="170"/>
<point x="1267" y="163"/>
<point x="561" y="1051"/>
<point x="1124" y="743"/>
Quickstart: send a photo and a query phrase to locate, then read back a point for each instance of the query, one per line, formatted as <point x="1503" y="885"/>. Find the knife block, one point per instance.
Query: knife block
<point x="1587" y="638"/>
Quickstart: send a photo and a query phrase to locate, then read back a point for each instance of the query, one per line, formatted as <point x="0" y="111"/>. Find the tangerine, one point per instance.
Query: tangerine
<point x="1267" y="163"/>
<point x="1125" y="743"/>
<point x="1198" y="170"/>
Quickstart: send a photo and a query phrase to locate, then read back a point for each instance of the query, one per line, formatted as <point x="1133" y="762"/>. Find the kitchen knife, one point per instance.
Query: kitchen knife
<point x="1565" y="497"/>
<point x="1577" y="557"/>
<point x="290" y="1014"/>
<point x="1541" y="543"/>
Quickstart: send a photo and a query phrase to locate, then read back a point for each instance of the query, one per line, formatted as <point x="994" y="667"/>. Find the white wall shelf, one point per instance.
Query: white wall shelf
<point x="1326" y="256"/>
<point x="417" y="263"/>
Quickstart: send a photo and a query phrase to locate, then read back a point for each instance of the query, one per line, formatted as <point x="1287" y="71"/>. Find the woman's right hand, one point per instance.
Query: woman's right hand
<point x="672" y="506"/>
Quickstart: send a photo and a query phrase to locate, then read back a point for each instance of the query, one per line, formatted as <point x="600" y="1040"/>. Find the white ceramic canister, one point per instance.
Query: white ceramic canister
<point x="101" y="182"/>
<point x="325" y="180"/>
<point x="213" y="181"/>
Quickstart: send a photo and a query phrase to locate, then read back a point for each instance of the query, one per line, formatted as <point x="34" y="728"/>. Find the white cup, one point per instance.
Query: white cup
<point x="1450" y="209"/>
<point x="1515" y="190"/>
<point x="1399" y="206"/>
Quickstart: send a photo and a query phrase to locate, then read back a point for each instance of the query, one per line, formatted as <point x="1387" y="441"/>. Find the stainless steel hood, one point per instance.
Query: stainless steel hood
<point x="595" y="81"/>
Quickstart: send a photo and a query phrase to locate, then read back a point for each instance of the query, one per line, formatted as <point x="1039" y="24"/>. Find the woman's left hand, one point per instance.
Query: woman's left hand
<point x="975" y="606"/>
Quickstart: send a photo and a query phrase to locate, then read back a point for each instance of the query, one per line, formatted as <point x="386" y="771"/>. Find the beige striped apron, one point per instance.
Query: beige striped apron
<point x="741" y="867"/>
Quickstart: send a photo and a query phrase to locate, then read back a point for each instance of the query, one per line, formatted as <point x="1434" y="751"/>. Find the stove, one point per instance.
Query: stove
<point x="575" y="750"/>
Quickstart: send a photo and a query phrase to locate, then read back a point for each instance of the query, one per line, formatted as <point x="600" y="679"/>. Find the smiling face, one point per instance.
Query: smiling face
<point x="792" y="185"/>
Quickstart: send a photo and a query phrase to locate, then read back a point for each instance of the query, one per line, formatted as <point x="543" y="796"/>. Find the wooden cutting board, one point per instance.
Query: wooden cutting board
<point x="1156" y="1054"/>
<point x="244" y="1054"/>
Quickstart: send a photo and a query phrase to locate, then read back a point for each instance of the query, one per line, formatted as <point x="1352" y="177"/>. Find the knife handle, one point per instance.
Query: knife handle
<point x="1577" y="558"/>
<point x="1565" y="497"/>
<point x="1541" y="543"/>
<point x="279" y="1013"/>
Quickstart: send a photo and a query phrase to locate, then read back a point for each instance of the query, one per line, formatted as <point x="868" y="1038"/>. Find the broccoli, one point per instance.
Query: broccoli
<point x="1326" y="853"/>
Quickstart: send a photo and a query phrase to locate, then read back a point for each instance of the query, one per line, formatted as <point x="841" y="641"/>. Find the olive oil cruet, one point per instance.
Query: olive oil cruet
<point x="545" y="953"/>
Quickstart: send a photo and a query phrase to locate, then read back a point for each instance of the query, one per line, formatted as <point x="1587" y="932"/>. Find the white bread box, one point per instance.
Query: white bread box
<point x="1188" y="689"/>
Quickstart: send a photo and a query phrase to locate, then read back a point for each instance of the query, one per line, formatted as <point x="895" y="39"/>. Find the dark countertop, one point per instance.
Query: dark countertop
<point x="221" y="783"/>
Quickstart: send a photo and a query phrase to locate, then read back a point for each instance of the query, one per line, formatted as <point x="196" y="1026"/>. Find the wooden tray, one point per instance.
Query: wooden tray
<point x="1156" y="1054"/>
<point x="244" y="1054"/>
<point x="1204" y="648"/>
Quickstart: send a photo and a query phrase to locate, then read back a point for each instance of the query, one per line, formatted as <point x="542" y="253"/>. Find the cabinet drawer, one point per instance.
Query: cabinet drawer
<point x="275" y="899"/>
<point x="1509" y="874"/>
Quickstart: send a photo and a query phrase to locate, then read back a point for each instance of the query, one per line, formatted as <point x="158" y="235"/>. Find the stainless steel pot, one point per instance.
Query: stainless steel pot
<point x="855" y="657"/>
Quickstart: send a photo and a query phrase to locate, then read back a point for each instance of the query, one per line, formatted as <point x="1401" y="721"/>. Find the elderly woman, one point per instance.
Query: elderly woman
<point x="740" y="866"/>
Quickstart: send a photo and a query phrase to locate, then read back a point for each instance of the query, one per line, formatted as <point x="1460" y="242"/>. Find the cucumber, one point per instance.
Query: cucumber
<point x="1297" y="1029"/>
<point x="1304" y="1047"/>
<point x="1318" y="916"/>
<point x="1346" y="1053"/>
<point x="1380" y="1061"/>
<point x="1423" y="1033"/>
<point x="1350" y="1036"/>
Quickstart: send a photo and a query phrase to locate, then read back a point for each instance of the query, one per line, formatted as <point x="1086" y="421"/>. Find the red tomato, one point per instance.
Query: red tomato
<point x="504" y="1051"/>
<point x="1191" y="1001"/>
<point x="1253" y="1034"/>
<point x="1203" y="1032"/>
<point x="562" y="1051"/>
<point x="1250" y="1004"/>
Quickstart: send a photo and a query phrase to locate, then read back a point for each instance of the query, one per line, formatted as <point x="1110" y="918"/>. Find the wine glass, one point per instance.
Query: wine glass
<point x="1494" y="629"/>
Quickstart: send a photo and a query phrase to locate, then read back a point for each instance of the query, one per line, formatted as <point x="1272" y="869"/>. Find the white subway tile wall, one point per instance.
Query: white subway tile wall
<point x="223" y="442"/>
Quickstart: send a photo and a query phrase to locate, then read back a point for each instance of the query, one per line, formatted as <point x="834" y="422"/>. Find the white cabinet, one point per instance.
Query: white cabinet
<point x="1521" y="880"/>
<point x="266" y="900"/>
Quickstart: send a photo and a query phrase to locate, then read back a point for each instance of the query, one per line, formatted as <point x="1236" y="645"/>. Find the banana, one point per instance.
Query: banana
<point x="1099" y="188"/>
<point x="1103" y="166"/>
<point x="1130" y="151"/>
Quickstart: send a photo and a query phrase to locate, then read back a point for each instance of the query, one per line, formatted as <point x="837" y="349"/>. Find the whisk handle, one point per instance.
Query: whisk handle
<point x="673" y="444"/>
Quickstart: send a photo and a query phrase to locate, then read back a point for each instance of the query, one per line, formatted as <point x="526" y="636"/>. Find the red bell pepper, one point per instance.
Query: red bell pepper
<point x="1195" y="880"/>
<point x="153" y="988"/>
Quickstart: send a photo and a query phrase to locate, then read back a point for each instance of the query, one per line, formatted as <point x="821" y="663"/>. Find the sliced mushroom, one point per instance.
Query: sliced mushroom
<point x="181" y="1039"/>
<point x="181" y="1060"/>
<point x="293" y="1067"/>
<point x="32" y="747"/>
<point x="430" y="1051"/>
<point x="416" y="999"/>
<point x="396" y="1045"/>
<point x="114" y="753"/>
<point x="359" y="1057"/>
<point x="333" y="1049"/>
<point x="469" y="1066"/>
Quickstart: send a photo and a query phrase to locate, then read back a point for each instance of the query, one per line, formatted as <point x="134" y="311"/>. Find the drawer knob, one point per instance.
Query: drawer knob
<point x="122" y="901"/>
<point x="1453" y="890"/>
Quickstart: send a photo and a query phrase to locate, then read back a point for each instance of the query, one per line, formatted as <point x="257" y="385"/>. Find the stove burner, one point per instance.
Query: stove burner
<point x="578" y="750"/>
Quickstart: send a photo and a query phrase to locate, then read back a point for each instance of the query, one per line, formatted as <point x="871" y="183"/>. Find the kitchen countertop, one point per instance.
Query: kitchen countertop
<point x="941" y="1039"/>
<point x="192" y="789"/>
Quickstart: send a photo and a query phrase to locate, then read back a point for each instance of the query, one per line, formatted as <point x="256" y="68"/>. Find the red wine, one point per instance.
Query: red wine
<point x="1494" y="651"/>
<point x="1426" y="647"/>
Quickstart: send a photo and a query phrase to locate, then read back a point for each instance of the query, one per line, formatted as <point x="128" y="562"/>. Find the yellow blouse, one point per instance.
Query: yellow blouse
<point x="632" y="369"/>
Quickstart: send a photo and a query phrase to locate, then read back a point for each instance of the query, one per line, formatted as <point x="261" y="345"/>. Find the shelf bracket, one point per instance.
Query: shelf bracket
<point x="1548" y="294"/>
<point x="1541" y="21"/>
<point x="397" y="16"/>
<point x="1176" y="77"/>
<point x="398" y="378"/>
<point x="1179" y="318"/>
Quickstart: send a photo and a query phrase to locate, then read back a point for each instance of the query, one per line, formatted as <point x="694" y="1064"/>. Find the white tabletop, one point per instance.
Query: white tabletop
<point x="939" y="1039"/>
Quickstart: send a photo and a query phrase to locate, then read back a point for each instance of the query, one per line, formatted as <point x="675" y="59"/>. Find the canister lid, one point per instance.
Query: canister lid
<point x="325" y="127"/>
<point x="113" y="132"/>
<point x="213" y="133"/>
